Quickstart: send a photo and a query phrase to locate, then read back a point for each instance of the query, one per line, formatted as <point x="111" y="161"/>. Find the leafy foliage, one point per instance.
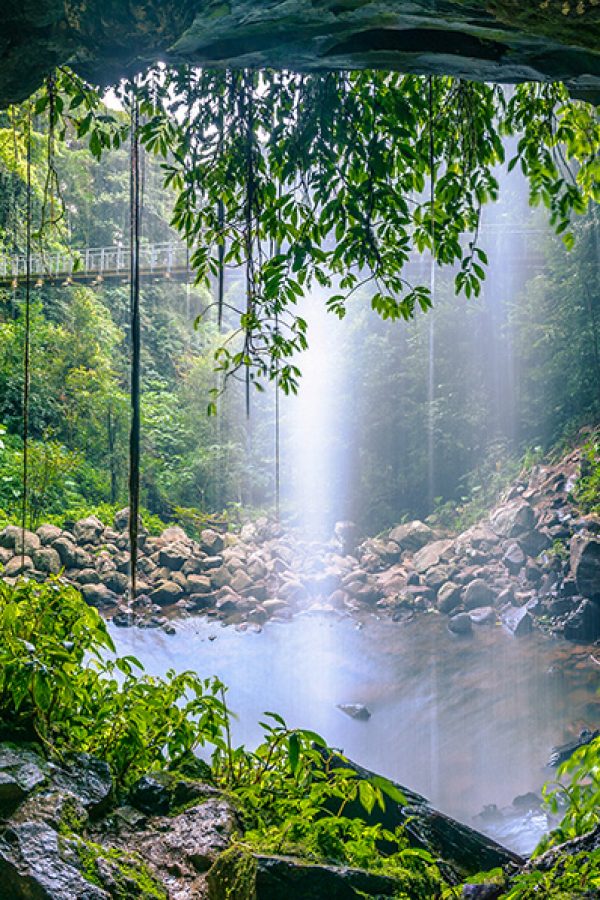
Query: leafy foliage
<point x="587" y="489"/>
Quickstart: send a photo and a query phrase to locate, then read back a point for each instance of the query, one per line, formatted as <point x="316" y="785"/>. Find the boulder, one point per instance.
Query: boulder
<point x="48" y="534"/>
<point x="21" y="772"/>
<point x="11" y="534"/>
<point x="287" y="878"/>
<point x="37" y="864"/>
<point x="72" y="556"/>
<point x="514" y="558"/>
<point x="18" y="565"/>
<point x="460" y="624"/>
<point x="431" y="555"/>
<point x="198" y="584"/>
<point x="46" y="559"/>
<point x="211" y="542"/>
<point x="166" y="593"/>
<point x="346" y="536"/>
<point x="87" y="576"/>
<point x="86" y="778"/>
<point x="448" y="597"/>
<point x="482" y="615"/>
<point x="412" y="536"/>
<point x="240" y="582"/>
<point x="174" y="555"/>
<point x="513" y="518"/>
<point x="585" y="564"/>
<point x="355" y="711"/>
<point x="518" y="620"/>
<point x="88" y="530"/>
<point x="99" y="596"/>
<point x="583" y="624"/>
<point x="116" y="582"/>
<point x="478" y="593"/>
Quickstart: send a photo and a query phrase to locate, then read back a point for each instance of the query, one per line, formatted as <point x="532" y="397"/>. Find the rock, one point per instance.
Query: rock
<point x="99" y="596"/>
<point x="37" y="864"/>
<point x="240" y="582"/>
<point x="116" y="582"/>
<point x="21" y="772"/>
<point x="174" y="556"/>
<point x="518" y="620"/>
<point x="88" y="779"/>
<point x="72" y="556"/>
<point x="478" y="593"/>
<point x="159" y="793"/>
<point x="88" y="576"/>
<point x="412" y="536"/>
<point x="514" y="559"/>
<point x="482" y="615"/>
<point x="585" y="564"/>
<point x="346" y="535"/>
<point x="88" y="531"/>
<point x="211" y="542"/>
<point x="448" y="597"/>
<point x="513" y="518"/>
<point x="460" y="624"/>
<point x="18" y="565"/>
<point x="355" y="711"/>
<point x="48" y="534"/>
<point x="485" y="891"/>
<point x="239" y="875"/>
<point x="46" y="559"/>
<point x="166" y="593"/>
<point x="431" y="555"/>
<point x="198" y="584"/>
<point x="583" y="624"/>
<point x="11" y="538"/>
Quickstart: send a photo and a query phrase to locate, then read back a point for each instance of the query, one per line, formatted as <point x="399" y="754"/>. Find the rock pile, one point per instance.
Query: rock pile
<point x="533" y="561"/>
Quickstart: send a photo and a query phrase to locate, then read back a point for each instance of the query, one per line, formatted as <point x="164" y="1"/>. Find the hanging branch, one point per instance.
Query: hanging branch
<point x="134" y="441"/>
<point x="27" y="348"/>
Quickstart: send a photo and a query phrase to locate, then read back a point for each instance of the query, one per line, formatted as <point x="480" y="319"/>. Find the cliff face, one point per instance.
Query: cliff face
<point x="498" y="40"/>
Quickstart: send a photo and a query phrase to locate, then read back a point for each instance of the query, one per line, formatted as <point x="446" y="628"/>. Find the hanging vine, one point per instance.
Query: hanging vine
<point x="134" y="440"/>
<point x="27" y="337"/>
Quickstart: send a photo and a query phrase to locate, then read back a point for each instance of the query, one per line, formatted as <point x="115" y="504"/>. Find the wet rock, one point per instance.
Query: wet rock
<point x="88" y="779"/>
<point x="286" y="878"/>
<point x="37" y="864"/>
<point x="460" y="624"/>
<point x="159" y="793"/>
<point x="448" y="597"/>
<point x="355" y="711"/>
<point x="431" y="555"/>
<point x="583" y="624"/>
<point x="21" y="772"/>
<point x="198" y="584"/>
<point x="46" y="559"/>
<point x="514" y="559"/>
<point x="513" y="518"/>
<point x="88" y="531"/>
<point x="533" y="573"/>
<point x="518" y="620"/>
<point x="99" y="596"/>
<point x="478" y="593"/>
<point x="166" y="593"/>
<point x="412" y="536"/>
<point x="585" y="564"/>
<point x="124" y="619"/>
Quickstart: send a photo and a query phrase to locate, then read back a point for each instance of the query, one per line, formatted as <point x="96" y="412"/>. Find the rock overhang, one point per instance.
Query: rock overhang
<point x="104" y="40"/>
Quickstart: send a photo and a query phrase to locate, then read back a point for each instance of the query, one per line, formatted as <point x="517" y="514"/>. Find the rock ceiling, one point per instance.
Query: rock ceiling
<point x="495" y="40"/>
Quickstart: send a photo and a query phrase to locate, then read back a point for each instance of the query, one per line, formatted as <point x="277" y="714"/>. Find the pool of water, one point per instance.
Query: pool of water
<point x="468" y="722"/>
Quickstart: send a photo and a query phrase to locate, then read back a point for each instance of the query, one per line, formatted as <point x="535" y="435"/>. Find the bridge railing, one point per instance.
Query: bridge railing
<point x="103" y="261"/>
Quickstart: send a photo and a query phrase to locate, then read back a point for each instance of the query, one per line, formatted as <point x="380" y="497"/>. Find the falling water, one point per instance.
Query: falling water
<point x="431" y="391"/>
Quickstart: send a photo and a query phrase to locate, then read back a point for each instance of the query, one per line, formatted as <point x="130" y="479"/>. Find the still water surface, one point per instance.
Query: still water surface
<point x="468" y="722"/>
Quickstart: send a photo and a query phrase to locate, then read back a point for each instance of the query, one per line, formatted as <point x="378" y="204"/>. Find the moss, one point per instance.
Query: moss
<point x="130" y="878"/>
<point x="233" y="876"/>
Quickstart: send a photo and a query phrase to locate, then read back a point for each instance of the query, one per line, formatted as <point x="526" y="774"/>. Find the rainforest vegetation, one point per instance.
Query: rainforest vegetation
<point x="280" y="185"/>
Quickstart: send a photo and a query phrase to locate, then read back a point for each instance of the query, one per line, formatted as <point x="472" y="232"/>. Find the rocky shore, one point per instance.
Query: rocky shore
<point x="534" y="561"/>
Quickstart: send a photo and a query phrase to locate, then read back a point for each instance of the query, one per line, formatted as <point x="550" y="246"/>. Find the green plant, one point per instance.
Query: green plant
<point x="578" y="799"/>
<point x="587" y="488"/>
